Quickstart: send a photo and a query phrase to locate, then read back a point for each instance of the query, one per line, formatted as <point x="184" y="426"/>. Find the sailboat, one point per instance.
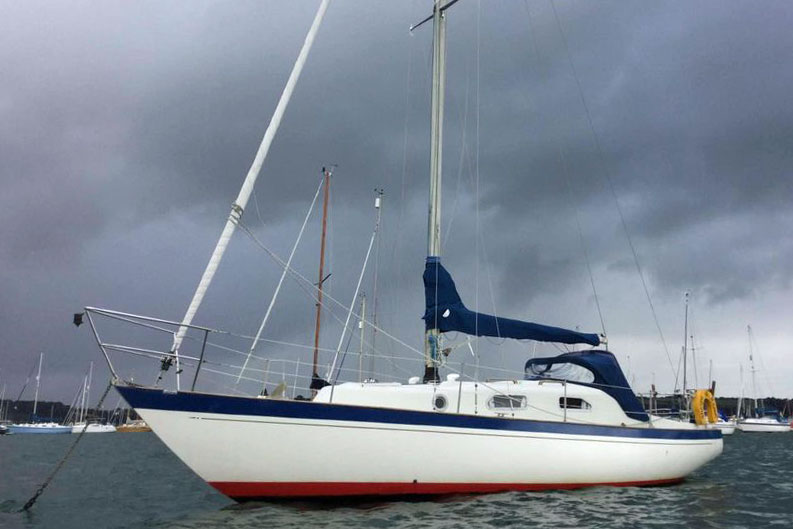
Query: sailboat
<point x="3" y="408"/>
<point x="36" y="426"/>
<point x="727" y="425"/>
<point x="695" y="400"/>
<point x="762" y="421"/>
<point x="82" y="423"/>
<point x="433" y="434"/>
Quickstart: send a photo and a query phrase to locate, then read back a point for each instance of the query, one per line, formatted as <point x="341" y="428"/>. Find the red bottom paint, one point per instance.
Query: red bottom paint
<point x="259" y="490"/>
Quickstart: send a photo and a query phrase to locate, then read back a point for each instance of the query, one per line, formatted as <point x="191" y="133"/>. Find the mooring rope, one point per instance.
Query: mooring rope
<point x="60" y="464"/>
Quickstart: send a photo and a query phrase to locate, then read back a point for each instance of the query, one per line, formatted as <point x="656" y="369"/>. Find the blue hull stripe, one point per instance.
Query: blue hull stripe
<point x="157" y="399"/>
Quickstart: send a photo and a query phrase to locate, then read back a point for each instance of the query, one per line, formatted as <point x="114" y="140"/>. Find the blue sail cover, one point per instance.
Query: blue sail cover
<point x="607" y="374"/>
<point x="445" y="311"/>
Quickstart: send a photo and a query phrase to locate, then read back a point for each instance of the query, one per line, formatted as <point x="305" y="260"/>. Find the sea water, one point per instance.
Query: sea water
<point x="130" y="480"/>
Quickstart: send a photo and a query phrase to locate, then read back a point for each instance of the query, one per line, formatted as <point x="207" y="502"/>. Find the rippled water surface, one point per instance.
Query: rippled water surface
<point x="132" y="480"/>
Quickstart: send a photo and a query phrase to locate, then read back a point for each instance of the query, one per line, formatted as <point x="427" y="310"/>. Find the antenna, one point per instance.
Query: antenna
<point x="378" y="203"/>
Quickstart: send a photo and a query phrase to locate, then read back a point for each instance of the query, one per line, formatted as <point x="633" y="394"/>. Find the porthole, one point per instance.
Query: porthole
<point x="439" y="403"/>
<point x="509" y="402"/>
<point x="574" y="403"/>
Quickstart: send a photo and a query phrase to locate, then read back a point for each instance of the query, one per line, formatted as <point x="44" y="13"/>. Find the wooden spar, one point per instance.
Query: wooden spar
<point x="238" y="206"/>
<point x="321" y="272"/>
<point x="286" y="269"/>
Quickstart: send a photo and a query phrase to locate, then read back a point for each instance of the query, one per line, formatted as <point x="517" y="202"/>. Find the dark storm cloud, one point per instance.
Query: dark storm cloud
<point x="691" y="135"/>
<point x="127" y="130"/>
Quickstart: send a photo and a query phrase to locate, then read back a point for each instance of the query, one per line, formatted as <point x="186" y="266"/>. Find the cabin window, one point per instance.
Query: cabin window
<point x="574" y="403"/>
<point x="439" y="403"/>
<point x="509" y="402"/>
<point x="571" y="372"/>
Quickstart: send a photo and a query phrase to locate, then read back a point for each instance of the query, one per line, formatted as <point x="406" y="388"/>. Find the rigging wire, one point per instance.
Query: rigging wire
<point x="256" y="205"/>
<point x="461" y="164"/>
<point x="694" y="361"/>
<point x="355" y="295"/>
<point x="296" y="274"/>
<point x="612" y="189"/>
<point x="762" y="364"/>
<point x="283" y="275"/>
<point x="397" y="248"/>
<point x="679" y="367"/>
<point x="566" y="174"/>
<point x="308" y="283"/>
<point x="476" y="173"/>
<point x="480" y="241"/>
<point x="376" y="270"/>
<point x="284" y="362"/>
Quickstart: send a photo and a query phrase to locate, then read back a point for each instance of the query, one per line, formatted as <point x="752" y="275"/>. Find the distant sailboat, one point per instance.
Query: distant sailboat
<point x="699" y="405"/>
<point x="727" y="426"/>
<point x="83" y="423"/>
<point x="761" y="421"/>
<point x="93" y="427"/>
<point x="35" y="426"/>
<point x="3" y="407"/>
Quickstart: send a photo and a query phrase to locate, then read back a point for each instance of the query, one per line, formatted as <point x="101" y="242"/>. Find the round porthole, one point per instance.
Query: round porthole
<point x="439" y="403"/>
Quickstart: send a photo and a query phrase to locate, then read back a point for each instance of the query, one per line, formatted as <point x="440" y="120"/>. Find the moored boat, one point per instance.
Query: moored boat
<point x="763" y="421"/>
<point x="93" y="427"/>
<point x="763" y="425"/>
<point x="82" y="423"/>
<point x="727" y="427"/>
<point x="430" y="435"/>
<point x="39" y="428"/>
<point x="38" y="425"/>
<point x="362" y="445"/>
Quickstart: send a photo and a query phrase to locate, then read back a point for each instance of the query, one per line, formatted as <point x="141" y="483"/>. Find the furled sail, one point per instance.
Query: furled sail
<point x="445" y="311"/>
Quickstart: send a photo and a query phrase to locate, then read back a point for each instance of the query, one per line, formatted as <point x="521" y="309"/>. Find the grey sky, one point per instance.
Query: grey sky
<point x="127" y="129"/>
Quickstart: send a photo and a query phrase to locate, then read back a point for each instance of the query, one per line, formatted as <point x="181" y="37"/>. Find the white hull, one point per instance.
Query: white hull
<point x="93" y="428"/>
<point x="726" y="427"/>
<point x="254" y="455"/>
<point x="763" y="426"/>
